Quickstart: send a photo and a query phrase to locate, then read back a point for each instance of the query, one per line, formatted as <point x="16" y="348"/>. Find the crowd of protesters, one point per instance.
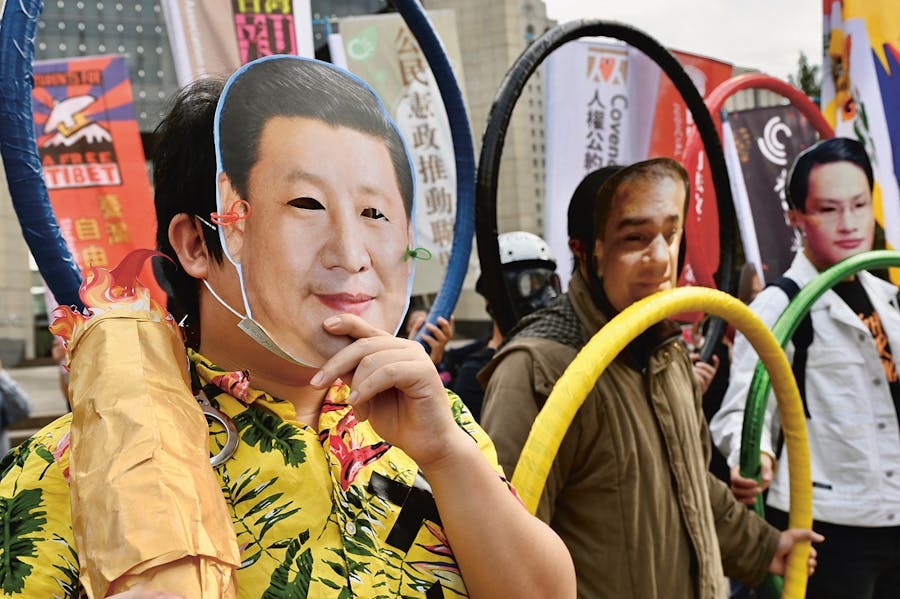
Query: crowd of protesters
<point x="352" y="470"/>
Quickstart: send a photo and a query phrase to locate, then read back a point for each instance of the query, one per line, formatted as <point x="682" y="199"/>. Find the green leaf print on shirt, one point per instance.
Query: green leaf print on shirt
<point x="253" y="519"/>
<point x="262" y="429"/>
<point x="284" y="587"/>
<point x="19" y="519"/>
<point x="69" y="584"/>
<point x="16" y="456"/>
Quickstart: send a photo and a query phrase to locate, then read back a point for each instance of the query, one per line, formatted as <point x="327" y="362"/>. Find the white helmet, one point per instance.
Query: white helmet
<point x="528" y="272"/>
<point x="522" y="246"/>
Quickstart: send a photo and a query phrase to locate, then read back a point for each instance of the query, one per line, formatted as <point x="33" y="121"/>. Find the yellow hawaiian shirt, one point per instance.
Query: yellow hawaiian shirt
<point x="333" y="512"/>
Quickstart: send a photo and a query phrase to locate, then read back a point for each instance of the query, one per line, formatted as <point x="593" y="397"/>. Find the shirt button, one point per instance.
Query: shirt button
<point x="881" y="426"/>
<point x="862" y="337"/>
<point x="889" y="473"/>
<point x="890" y="516"/>
<point x="350" y="528"/>
<point x="876" y="382"/>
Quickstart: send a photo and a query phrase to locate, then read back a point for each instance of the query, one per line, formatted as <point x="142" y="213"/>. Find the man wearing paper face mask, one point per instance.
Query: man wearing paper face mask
<point x="354" y="476"/>
<point x="330" y="187"/>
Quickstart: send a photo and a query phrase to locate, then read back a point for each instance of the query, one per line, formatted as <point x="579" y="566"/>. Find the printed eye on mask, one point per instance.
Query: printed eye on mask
<point x="314" y="197"/>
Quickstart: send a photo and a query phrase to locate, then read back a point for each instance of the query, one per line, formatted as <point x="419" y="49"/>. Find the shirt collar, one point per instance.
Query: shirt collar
<point x="237" y="384"/>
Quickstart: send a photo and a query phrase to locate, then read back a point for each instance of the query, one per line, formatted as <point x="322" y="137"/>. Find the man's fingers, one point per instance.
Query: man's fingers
<point x="351" y="325"/>
<point x="804" y="534"/>
<point x="743" y="483"/>
<point x="349" y="358"/>
<point x="744" y="489"/>
<point x="446" y="325"/>
<point x="393" y="374"/>
<point x="413" y="327"/>
<point x="747" y="496"/>
<point x="436" y="332"/>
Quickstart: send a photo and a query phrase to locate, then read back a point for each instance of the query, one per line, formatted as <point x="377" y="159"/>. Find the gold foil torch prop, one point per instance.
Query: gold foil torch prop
<point x="147" y="508"/>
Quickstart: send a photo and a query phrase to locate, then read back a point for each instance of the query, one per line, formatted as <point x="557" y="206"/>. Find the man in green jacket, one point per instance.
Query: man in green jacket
<point x="630" y="492"/>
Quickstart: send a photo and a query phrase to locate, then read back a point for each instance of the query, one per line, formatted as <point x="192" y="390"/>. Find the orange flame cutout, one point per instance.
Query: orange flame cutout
<point x="65" y="321"/>
<point x="104" y="290"/>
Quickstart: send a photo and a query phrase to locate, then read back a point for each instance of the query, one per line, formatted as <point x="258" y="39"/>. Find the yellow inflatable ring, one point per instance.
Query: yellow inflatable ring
<point x="572" y="388"/>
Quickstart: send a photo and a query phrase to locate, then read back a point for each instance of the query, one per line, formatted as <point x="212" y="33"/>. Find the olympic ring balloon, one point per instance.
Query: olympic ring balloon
<point x="691" y="154"/>
<point x="572" y="388"/>
<point x="20" y="154"/>
<point x="783" y="330"/>
<point x="495" y="134"/>
<point x="717" y="98"/>
<point x="464" y="226"/>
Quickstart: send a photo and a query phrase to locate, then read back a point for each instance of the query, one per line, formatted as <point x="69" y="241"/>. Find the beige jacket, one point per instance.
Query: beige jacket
<point x="630" y="492"/>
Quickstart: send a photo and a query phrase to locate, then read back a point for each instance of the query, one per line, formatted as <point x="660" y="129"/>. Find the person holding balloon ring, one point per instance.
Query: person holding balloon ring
<point x="844" y="359"/>
<point x="630" y="490"/>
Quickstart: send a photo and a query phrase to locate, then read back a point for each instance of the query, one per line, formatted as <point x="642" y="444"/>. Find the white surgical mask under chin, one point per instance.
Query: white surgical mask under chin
<point x="255" y="331"/>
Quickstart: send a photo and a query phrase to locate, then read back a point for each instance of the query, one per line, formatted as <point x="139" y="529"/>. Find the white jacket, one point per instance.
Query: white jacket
<point x="854" y="439"/>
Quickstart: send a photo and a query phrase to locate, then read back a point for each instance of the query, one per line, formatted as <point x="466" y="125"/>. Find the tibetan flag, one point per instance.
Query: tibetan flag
<point x="861" y="94"/>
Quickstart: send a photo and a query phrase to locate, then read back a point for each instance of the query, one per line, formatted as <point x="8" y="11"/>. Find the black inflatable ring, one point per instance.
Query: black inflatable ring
<point x="495" y="134"/>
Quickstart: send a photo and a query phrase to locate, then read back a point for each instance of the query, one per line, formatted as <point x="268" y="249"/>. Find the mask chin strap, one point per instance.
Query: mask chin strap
<point x="255" y="331"/>
<point x="221" y="301"/>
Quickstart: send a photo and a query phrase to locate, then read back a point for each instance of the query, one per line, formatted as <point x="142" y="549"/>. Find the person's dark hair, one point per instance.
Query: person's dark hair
<point x="581" y="207"/>
<point x="184" y="180"/>
<point x="655" y="169"/>
<point x="292" y="87"/>
<point x="836" y="149"/>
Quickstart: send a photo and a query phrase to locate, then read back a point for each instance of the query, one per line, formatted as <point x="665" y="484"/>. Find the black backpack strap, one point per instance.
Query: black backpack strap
<point x="802" y="339"/>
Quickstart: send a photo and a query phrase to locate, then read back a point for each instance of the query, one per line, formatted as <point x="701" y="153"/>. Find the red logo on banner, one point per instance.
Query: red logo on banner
<point x="93" y="162"/>
<point x="606" y="67"/>
<point x="601" y="67"/>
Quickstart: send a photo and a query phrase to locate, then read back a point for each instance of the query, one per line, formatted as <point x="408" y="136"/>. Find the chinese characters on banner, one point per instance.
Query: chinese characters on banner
<point x="263" y="28"/>
<point x="435" y="186"/>
<point x="383" y="51"/>
<point x="588" y="125"/>
<point x="861" y="93"/>
<point x="216" y="37"/>
<point x="760" y="146"/>
<point x="93" y="163"/>
<point x="604" y="113"/>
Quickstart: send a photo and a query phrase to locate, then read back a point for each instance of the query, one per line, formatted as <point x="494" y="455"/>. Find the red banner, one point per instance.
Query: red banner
<point x="671" y="127"/>
<point x="93" y="161"/>
<point x="672" y="124"/>
<point x="672" y="119"/>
